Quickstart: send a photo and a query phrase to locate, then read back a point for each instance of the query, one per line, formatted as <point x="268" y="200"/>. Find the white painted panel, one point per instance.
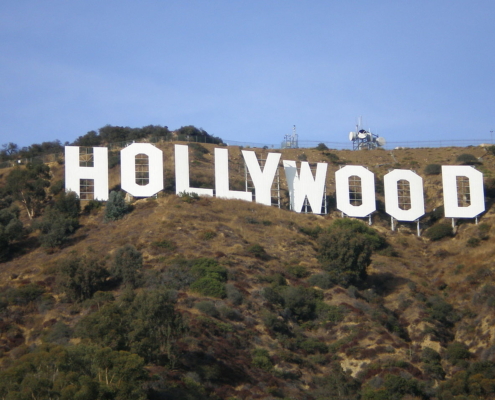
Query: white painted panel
<point x="128" y="169"/>
<point x="222" y="178"/>
<point x="304" y="185"/>
<point x="262" y="180"/>
<point x="99" y="172"/>
<point x="392" y="196"/>
<point x="367" y="186"/>
<point x="449" y="181"/>
<point x="182" y="173"/>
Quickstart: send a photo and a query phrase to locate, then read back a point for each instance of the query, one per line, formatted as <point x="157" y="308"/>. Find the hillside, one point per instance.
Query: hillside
<point x="231" y="300"/>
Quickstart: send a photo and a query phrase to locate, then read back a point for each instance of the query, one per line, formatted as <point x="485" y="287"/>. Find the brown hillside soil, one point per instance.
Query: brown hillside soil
<point x="381" y="327"/>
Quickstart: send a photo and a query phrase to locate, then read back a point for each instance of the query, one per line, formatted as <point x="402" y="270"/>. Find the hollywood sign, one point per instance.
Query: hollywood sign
<point x="302" y="183"/>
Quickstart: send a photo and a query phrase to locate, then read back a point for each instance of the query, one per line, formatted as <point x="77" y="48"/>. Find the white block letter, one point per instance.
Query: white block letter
<point x="450" y="191"/>
<point x="182" y="173"/>
<point x="262" y="180"/>
<point x="99" y="172"/>
<point x="128" y="169"/>
<point x="222" y="178"/>
<point x="415" y="195"/>
<point x="304" y="185"/>
<point x="368" y="204"/>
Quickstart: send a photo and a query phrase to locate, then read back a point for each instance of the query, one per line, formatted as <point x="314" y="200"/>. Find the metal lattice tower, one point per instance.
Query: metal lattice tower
<point x="291" y="141"/>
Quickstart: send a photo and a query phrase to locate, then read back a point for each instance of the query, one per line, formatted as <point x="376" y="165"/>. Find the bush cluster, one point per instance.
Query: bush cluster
<point x="433" y="169"/>
<point x="439" y="231"/>
<point x="210" y="278"/>
<point x="116" y="206"/>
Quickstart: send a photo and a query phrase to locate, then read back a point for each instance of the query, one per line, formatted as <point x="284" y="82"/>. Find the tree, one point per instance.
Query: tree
<point x="68" y="203"/>
<point x="116" y="206"/>
<point x="8" y="150"/>
<point x="147" y="324"/>
<point x="59" y="221"/>
<point x="74" y="372"/>
<point x="55" y="228"/>
<point x="11" y="228"/>
<point x="90" y="139"/>
<point x="126" y="264"/>
<point x="345" y="252"/>
<point x="467" y="159"/>
<point x="28" y="186"/>
<point x="81" y="277"/>
<point x="157" y="326"/>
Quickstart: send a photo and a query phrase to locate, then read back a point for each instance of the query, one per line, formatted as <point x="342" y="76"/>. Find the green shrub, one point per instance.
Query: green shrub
<point x="258" y="251"/>
<point x="439" y="231"/>
<point x="230" y="313"/>
<point x="323" y="280"/>
<point x="55" y="228"/>
<point x="113" y="159"/>
<point x="60" y="333"/>
<point x="473" y="242"/>
<point x="490" y="150"/>
<point x="457" y="352"/>
<point x="75" y="372"/>
<point x="23" y="295"/>
<point x="92" y="205"/>
<point x="57" y="187"/>
<point x="332" y="157"/>
<point x="330" y="313"/>
<point x="485" y="296"/>
<point x="188" y="197"/>
<point x="208" y="234"/>
<point x="261" y="359"/>
<point x="198" y="150"/>
<point x="81" y="277"/>
<point x="165" y="244"/>
<point x="274" y="323"/>
<point x="467" y="159"/>
<point x="208" y="267"/>
<point x="344" y="251"/>
<point x="11" y="229"/>
<point x="298" y="271"/>
<point x="272" y="296"/>
<point x="321" y="147"/>
<point x="208" y="308"/>
<point x="433" y="169"/>
<point x="234" y="295"/>
<point x="441" y="311"/>
<point x="483" y="230"/>
<point x="302" y="157"/>
<point x="127" y="263"/>
<point x="313" y="346"/>
<point x="208" y="286"/>
<point x="430" y="356"/>
<point x="68" y="204"/>
<point x="312" y="232"/>
<point x="357" y="227"/>
<point x="437" y="213"/>
<point x="116" y="206"/>
<point x="301" y="301"/>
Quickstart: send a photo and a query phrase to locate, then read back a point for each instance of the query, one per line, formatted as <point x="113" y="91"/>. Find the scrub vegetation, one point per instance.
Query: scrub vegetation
<point x="190" y="297"/>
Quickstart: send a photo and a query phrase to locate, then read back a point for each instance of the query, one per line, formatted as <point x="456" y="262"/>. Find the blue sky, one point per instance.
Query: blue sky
<point x="248" y="70"/>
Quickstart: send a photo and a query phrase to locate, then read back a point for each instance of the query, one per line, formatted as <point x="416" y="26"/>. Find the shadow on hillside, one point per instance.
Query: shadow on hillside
<point x="74" y="240"/>
<point x="209" y="368"/>
<point x="384" y="283"/>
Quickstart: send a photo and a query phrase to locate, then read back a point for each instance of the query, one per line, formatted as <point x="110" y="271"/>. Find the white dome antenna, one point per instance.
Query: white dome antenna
<point x="363" y="139"/>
